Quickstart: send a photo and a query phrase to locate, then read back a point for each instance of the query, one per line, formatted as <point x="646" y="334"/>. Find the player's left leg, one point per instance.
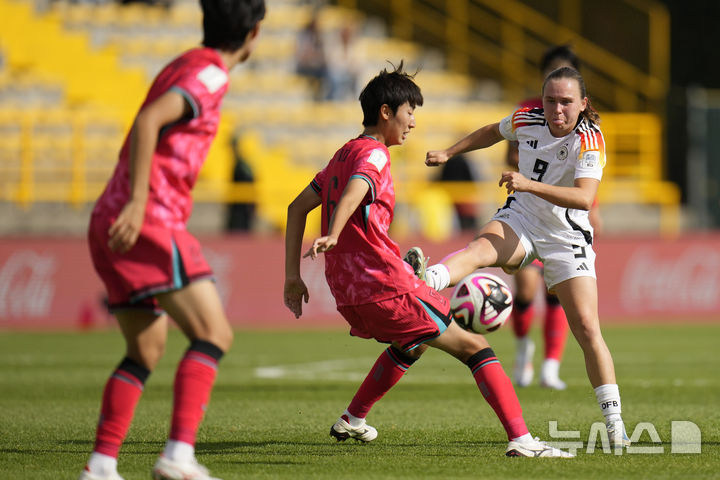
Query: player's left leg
<point x="145" y="334"/>
<point x="389" y="368"/>
<point x="198" y="311"/>
<point x="579" y="298"/>
<point x="496" y="388"/>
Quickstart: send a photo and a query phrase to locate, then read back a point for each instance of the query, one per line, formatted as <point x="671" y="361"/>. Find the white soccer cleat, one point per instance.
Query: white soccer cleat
<point x="342" y="430"/>
<point x="617" y="434"/>
<point x="417" y="260"/>
<point x="523" y="370"/>
<point x="536" y="448"/>
<point x="553" y="383"/>
<point x="87" y="475"/>
<point x="166" y="469"/>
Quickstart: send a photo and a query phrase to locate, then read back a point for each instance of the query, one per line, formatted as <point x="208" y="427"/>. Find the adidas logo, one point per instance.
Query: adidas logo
<point x="532" y="143"/>
<point x="582" y="267"/>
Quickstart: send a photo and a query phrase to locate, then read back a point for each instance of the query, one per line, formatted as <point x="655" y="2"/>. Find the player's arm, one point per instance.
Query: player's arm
<point x="580" y="196"/>
<point x="350" y="200"/>
<point x="481" y="138"/>
<point x="166" y="109"/>
<point x="295" y="290"/>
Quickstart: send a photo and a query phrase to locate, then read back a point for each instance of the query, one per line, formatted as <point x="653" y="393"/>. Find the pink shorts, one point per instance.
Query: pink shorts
<point x="410" y="319"/>
<point x="162" y="260"/>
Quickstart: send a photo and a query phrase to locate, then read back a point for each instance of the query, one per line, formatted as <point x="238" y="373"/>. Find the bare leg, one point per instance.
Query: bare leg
<point x="578" y="297"/>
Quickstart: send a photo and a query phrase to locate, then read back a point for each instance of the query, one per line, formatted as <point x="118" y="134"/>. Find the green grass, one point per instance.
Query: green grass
<point x="434" y="424"/>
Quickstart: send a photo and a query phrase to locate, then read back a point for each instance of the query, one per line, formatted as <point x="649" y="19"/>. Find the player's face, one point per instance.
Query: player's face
<point x="399" y="124"/>
<point x="562" y="104"/>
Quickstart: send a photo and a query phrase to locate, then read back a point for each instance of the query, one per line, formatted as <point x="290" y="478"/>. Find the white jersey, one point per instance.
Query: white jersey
<point x="554" y="161"/>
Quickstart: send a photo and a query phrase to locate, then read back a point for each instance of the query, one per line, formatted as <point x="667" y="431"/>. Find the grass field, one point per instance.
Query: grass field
<point x="278" y="393"/>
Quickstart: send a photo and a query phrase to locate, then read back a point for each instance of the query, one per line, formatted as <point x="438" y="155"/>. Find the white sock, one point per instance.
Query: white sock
<point x="437" y="276"/>
<point x="354" y="421"/>
<point x="550" y="369"/>
<point x="102" y="465"/>
<point x="608" y="397"/>
<point x="527" y="438"/>
<point x="179" y="451"/>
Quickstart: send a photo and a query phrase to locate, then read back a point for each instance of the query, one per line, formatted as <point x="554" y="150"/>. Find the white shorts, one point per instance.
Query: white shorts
<point x="565" y="254"/>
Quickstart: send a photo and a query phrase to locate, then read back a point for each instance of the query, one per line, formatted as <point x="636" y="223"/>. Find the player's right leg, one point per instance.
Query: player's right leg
<point x="475" y="352"/>
<point x="496" y="245"/>
<point x="145" y="335"/>
<point x="389" y="368"/>
<point x="198" y="311"/>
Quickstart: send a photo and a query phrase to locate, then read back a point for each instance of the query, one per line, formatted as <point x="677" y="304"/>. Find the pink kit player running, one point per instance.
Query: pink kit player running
<point x="152" y="267"/>
<point x="375" y="290"/>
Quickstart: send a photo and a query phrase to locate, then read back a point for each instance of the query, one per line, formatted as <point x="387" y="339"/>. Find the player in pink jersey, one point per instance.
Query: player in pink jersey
<point x="152" y="267"/>
<point x="376" y="291"/>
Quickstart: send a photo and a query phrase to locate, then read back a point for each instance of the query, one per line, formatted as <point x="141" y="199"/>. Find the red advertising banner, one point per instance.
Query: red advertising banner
<point x="50" y="282"/>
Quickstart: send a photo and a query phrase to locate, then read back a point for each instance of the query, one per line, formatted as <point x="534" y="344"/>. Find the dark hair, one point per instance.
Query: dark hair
<point x="559" y="52"/>
<point x="389" y="88"/>
<point x="566" y="72"/>
<point x="226" y="23"/>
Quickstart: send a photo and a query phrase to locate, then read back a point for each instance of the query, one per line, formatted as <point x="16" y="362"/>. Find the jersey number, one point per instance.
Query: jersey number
<point x="540" y="168"/>
<point x="331" y="204"/>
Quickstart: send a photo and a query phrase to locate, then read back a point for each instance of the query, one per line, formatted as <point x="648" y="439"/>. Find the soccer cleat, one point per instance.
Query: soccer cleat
<point x="553" y="383"/>
<point x="166" y="469"/>
<point x="536" y="448"/>
<point x="523" y="370"/>
<point x="617" y="434"/>
<point x="342" y="430"/>
<point x="87" y="475"/>
<point x="417" y="260"/>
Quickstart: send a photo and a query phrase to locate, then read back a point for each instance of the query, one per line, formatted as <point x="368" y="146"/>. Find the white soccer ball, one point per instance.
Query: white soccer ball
<point x="481" y="302"/>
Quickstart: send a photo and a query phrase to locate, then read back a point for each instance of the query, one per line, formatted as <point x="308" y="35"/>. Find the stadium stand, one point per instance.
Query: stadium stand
<point x="68" y="92"/>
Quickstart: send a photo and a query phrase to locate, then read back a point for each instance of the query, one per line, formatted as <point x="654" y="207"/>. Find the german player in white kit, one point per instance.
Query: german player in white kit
<point x="562" y="155"/>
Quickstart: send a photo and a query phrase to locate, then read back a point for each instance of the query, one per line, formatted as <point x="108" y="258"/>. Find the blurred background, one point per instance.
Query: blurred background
<point x="72" y="75"/>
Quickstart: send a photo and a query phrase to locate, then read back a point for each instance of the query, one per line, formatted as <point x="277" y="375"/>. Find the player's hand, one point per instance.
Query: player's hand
<point x="125" y="230"/>
<point x="320" y="245"/>
<point x="514" y="182"/>
<point x="295" y="291"/>
<point x="434" y="158"/>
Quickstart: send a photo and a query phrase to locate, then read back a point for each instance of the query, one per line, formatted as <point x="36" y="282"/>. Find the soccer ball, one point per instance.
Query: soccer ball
<point x="481" y="302"/>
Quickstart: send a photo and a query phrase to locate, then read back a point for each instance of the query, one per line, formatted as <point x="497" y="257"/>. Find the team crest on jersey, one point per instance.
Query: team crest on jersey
<point x="562" y="154"/>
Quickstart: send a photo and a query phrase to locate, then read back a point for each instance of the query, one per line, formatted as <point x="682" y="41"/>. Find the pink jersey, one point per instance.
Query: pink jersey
<point x="365" y="266"/>
<point x="201" y="77"/>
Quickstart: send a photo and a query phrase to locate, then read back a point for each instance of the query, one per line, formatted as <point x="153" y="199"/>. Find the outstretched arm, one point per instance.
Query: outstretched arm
<point x="295" y="290"/>
<point x="350" y="200"/>
<point x="481" y="138"/>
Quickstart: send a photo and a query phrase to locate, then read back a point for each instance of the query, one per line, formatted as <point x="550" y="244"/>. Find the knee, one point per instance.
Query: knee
<point x="587" y="331"/>
<point x="222" y="337"/>
<point x="147" y="355"/>
<point x="416" y="352"/>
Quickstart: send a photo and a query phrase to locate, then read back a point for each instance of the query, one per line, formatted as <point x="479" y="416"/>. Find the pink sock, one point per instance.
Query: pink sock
<point x="522" y="315"/>
<point x="555" y="331"/>
<point x="122" y="393"/>
<point x="193" y="382"/>
<point x="389" y="368"/>
<point x="498" y="391"/>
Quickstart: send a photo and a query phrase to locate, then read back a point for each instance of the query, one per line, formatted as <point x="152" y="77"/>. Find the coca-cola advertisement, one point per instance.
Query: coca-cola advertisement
<point x="50" y="282"/>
